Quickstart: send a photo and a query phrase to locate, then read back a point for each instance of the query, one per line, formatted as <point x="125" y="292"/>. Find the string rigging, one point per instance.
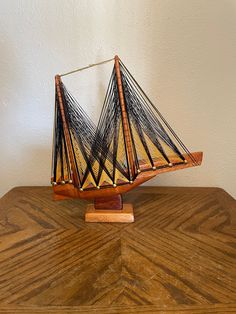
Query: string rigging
<point x="102" y="154"/>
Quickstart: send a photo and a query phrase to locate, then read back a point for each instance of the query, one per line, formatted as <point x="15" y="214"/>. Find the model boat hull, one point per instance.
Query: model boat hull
<point x="70" y="191"/>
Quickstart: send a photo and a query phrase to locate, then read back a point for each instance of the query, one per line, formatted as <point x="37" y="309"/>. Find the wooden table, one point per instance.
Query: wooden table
<point x="178" y="257"/>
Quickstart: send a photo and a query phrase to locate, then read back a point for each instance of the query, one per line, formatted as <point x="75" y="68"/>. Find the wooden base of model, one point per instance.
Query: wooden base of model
<point x="109" y="209"/>
<point x="108" y="205"/>
<point x="126" y="214"/>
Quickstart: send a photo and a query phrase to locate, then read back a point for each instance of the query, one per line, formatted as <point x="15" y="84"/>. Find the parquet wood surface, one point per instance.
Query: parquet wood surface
<point x="179" y="256"/>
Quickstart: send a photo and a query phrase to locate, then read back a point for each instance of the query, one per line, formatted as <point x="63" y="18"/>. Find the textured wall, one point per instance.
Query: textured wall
<point x="181" y="51"/>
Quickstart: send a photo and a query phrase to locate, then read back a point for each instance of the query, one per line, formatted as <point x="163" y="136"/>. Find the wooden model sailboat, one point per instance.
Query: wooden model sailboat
<point x="131" y="144"/>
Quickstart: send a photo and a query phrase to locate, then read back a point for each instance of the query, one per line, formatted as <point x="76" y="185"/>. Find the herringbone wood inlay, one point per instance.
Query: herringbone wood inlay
<point x="178" y="257"/>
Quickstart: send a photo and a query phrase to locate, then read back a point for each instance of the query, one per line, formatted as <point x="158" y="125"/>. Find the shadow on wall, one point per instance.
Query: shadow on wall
<point x="193" y="76"/>
<point x="10" y="76"/>
<point x="11" y="84"/>
<point x="39" y="157"/>
<point x="28" y="171"/>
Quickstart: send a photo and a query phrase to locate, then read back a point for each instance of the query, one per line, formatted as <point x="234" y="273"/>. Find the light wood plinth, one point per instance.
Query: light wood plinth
<point x="105" y="215"/>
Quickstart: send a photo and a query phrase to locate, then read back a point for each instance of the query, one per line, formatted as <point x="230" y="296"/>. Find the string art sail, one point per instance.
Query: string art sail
<point x="131" y="143"/>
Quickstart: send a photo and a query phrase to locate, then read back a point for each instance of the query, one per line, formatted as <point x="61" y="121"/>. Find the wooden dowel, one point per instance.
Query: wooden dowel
<point x="125" y="121"/>
<point x="74" y="174"/>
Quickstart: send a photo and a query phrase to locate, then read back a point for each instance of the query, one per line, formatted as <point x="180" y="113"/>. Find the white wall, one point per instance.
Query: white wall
<point x="183" y="52"/>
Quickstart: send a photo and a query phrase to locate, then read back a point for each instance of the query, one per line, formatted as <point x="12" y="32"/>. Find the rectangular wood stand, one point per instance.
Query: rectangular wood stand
<point x="109" y="215"/>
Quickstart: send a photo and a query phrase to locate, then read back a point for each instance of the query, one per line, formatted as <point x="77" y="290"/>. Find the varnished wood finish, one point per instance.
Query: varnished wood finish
<point x="113" y="202"/>
<point x="125" y="122"/>
<point x="74" y="175"/>
<point x="125" y="215"/>
<point x="69" y="191"/>
<point x="177" y="257"/>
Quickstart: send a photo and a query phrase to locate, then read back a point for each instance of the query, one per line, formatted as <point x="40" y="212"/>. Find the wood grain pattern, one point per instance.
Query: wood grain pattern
<point x="177" y="257"/>
<point x="125" y="122"/>
<point x="112" y="202"/>
<point x="66" y="131"/>
<point x="125" y="215"/>
<point x="69" y="191"/>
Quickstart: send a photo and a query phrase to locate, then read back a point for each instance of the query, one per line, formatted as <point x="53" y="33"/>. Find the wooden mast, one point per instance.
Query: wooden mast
<point x="125" y="122"/>
<point x="74" y="174"/>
